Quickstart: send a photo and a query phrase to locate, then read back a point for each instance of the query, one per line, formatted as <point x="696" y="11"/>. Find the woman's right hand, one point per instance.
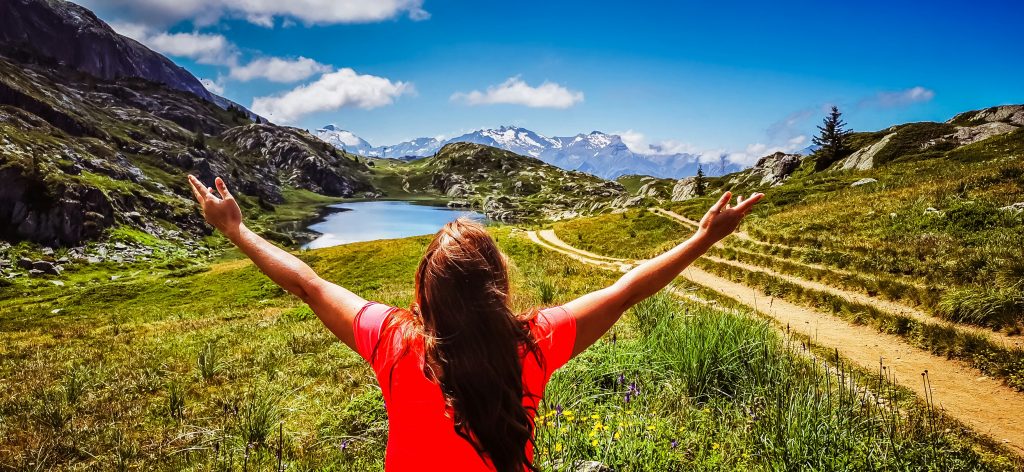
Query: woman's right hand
<point x="221" y="212"/>
<point x="722" y="219"/>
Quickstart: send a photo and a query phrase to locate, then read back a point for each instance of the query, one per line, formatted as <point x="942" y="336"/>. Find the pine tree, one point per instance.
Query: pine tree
<point x="700" y="183"/>
<point x="832" y="139"/>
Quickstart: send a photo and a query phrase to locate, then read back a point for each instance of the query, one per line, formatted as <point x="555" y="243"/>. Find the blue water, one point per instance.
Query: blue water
<point x="367" y="221"/>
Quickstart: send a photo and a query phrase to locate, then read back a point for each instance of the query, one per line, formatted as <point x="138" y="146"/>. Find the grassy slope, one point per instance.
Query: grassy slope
<point x="200" y="364"/>
<point x="967" y="251"/>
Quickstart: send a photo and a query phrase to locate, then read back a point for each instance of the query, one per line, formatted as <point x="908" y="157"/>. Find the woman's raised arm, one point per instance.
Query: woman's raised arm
<point x="597" y="311"/>
<point x="334" y="305"/>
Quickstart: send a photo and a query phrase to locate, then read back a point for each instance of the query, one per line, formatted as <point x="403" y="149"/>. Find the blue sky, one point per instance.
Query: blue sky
<point x="743" y="77"/>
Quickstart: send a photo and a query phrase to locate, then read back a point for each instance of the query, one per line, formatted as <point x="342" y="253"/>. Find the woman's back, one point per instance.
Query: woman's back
<point x="422" y="431"/>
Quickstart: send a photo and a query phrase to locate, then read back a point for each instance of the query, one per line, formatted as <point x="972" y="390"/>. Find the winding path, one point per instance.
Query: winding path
<point x="999" y="338"/>
<point x="986" y="405"/>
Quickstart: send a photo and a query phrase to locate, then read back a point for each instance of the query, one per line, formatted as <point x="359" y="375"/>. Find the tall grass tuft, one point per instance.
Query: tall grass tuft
<point x="209" y="361"/>
<point x="992" y="307"/>
<point x="175" y="401"/>
<point x="546" y="290"/>
<point x="258" y="415"/>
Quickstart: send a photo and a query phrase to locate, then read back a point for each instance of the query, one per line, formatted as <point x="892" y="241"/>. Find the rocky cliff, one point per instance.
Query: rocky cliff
<point x="79" y="156"/>
<point x="69" y="35"/>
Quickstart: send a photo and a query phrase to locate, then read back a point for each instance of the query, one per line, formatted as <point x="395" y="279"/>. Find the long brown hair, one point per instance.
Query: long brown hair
<point x="473" y="342"/>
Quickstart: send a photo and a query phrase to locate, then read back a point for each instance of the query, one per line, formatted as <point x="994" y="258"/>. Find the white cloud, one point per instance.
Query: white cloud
<point x="204" y="48"/>
<point x="334" y="90"/>
<point x="516" y="92"/>
<point x="634" y="140"/>
<point x="276" y="69"/>
<point x="263" y="12"/>
<point x="637" y="142"/>
<point x="899" y="98"/>
<point x="213" y="86"/>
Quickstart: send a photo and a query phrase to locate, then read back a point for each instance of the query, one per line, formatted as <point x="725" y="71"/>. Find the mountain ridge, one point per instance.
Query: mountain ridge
<point x="602" y="154"/>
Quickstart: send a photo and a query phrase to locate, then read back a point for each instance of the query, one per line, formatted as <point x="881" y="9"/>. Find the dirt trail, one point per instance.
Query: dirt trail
<point x="742" y="235"/>
<point x="1007" y="341"/>
<point x="885" y="305"/>
<point x="984" y="404"/>
<point x="857" y="297"/>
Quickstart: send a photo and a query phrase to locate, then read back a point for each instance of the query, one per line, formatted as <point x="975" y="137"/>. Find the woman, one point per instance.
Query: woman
<point x="462" y="374"/>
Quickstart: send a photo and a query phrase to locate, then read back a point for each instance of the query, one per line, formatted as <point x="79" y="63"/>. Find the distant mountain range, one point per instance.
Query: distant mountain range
<point x="597" y="153"/>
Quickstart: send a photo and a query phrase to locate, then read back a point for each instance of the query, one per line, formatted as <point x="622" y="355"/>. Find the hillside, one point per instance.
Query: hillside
<point x="504" y="185"/>
<point x="83" y="156"/>
<point x="96" y="141"/>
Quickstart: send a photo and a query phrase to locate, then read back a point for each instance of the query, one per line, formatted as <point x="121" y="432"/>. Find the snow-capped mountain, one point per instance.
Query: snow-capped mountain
<point x="344" y="140"/>
<point x="601" y="154"/>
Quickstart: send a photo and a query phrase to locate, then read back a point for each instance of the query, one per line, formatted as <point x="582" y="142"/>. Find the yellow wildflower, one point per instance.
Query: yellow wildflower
<point x="593" y="443"/>
<point x="558" y="447"/>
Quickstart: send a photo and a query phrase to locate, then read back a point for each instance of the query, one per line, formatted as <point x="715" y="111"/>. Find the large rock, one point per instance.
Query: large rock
<point x="864" y="158"/>
<point x="971" y="134"/>
<point x="684" y="189"/>
<point x="769" y="171"/>
<point x="47" y="267"/>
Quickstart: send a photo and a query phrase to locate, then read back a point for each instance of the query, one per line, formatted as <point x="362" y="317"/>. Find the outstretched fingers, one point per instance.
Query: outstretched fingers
<point x="222" y="188"/>
<point x="745" y="205"/>
<point x="198" y="189"/>
<point x="722" y="202"/>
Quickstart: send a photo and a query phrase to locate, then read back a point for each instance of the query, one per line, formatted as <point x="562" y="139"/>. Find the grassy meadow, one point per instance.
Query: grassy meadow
<point x="212" y="367"/>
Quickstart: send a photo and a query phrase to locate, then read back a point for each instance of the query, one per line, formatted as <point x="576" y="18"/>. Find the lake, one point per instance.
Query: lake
<point x="367" y="221"/>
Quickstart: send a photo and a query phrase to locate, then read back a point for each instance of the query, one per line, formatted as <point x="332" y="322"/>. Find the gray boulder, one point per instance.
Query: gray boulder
<point x="864" y="158"/>
<point x="769" y="171"/>
<point x="46" y="267"/>
<point x="684" y="189"/>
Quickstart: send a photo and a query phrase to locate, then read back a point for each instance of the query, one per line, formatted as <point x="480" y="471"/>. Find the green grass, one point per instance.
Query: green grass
<point x="633" y="234"/>
<point x="221" y="370"/>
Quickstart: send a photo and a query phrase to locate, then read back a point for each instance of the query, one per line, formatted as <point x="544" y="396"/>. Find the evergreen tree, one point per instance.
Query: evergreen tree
<point x="832" y="139"/>
<point x="700" y="183"/>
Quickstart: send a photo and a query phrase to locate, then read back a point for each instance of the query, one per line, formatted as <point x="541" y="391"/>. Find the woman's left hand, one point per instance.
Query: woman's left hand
<point x="221" y="212"/>
<point x="722" y="219"/>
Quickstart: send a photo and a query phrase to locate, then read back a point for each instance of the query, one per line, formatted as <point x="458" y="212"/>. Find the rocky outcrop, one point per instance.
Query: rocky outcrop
<point x="1009" y="114"/>
<point x="864" y="158"/>
<point x="73" y="36"/>
<point x="769" y="171"/>
<point x="64" y="214"/>
<point x="684" y="189"/>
